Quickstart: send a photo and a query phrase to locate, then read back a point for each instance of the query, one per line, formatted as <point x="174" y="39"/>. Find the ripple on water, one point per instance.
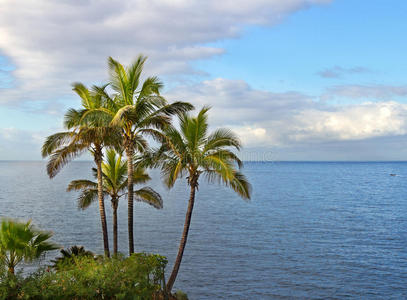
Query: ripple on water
<point x="311" y="231"/>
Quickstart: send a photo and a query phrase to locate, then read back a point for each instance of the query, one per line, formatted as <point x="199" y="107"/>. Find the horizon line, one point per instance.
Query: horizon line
<point x="248" y="161"/>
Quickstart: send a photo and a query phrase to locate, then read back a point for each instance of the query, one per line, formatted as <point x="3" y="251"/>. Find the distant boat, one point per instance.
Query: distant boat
<point x="393" y="174"/>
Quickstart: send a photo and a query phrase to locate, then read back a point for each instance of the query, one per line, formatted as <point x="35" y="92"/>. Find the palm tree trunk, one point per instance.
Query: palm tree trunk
<point x="98" y="161"/>
<point x="184" y="237"/>
<point x="11" y="270"/>
<point x="129" y="154"/>
<point x="114" y="206"/>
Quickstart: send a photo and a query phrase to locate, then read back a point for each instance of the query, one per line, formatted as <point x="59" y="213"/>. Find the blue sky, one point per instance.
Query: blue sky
<point x="344" y="33"/>
<point x="300" y="79"/>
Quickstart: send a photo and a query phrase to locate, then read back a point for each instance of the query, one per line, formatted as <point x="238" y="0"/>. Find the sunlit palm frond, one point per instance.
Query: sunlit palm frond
<point x="134" y="73"/>
<point x="152" y="86"/>
<point x="83" y="93"/>
<point x="240" y="185"/>
<point x="222" y="138"/>
<point x="81" y="184"/>
<point x="225" y="154"/>
<point x="122" y="115"/>
<point x="191" y="150"/>
<point x="118" y="79"/>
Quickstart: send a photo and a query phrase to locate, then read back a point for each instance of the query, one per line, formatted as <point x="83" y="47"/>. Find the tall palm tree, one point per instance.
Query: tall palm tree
<point x="21" y="241"/>
<point x="82" y="134"/>
<point x="114" y="184"/>
<point x="193" y="152"/>
<point x="139" y="110"/>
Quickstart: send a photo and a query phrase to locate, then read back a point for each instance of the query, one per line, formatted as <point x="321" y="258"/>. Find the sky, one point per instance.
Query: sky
<point x="295" y="79"/>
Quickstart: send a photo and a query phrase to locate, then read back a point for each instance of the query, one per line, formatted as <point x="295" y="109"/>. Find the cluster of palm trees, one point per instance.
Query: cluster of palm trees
<point x="118" y="118"/>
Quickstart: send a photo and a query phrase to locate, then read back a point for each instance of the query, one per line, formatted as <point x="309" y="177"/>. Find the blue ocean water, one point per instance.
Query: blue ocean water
<point x="311" y="231"/>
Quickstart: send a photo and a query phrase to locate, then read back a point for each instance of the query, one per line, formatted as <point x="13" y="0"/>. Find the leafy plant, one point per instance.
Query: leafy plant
<point x="139" y="276"/>
<point x="21" y="241"/>
<point x="69" y="255"/>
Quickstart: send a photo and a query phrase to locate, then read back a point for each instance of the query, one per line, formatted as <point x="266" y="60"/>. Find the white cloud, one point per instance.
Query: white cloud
<point x="52" y="43"/>
<point x="269" y="121"/>
<point x="266" y="119"/>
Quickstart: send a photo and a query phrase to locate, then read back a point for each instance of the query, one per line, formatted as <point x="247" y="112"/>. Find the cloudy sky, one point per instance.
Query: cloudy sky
<point x="296" y="79"/>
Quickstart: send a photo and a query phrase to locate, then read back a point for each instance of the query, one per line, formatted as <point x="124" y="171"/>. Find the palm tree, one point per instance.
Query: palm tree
<point x="115" y="184"/>
<point x="193" y="152"/>
<point x="21" y="241"/>
<point x="69" y="254"/>
<point x="92" y="133"/>
<point x="139" y="110"/>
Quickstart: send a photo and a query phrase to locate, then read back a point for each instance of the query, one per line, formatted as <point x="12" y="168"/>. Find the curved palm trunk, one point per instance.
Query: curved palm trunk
<point x="184" y="237"/>
<point x="98" y="161"/>
<point x="114" y="206"/>
<point x="129" y="154"/>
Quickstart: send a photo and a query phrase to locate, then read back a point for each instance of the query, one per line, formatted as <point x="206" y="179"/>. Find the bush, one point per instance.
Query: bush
<point x="180" y="295"/>
<point x="135" y="277"/>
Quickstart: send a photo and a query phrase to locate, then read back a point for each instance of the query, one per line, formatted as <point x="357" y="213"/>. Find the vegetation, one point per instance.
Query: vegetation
<point x="193" y="152"/>
<point x="115" y="181"/>
<point x="118" y="118"/>
<point x="69" y="255"/>
<point x="138" y="110"/>
<point x="83" y="134"/>
<point x="139" y="276"/>
<point x="21" y="241"/>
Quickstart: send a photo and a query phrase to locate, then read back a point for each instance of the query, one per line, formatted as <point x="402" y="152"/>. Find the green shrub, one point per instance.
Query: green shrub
<point x="135" y="277"/>
<point x="180" y="295"/>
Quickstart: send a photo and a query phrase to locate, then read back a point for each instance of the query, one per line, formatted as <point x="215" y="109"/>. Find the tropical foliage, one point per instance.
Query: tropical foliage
<point x="115" y="182"/>
<point x="139" y="276"/>
<point x="139" y="110"/>
<point x="68" y="255"/>
<point x="21" y="241"/>
<point x="119" y="117"/>
<point x="191" y="151"/>
<point x="83" y="133"/>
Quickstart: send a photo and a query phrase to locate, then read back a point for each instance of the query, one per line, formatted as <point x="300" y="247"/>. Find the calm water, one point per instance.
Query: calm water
<point x="312" y="230"/>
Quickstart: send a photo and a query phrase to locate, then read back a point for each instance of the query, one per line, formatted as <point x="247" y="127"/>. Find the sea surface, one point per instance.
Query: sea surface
<point x="329" y="230"/>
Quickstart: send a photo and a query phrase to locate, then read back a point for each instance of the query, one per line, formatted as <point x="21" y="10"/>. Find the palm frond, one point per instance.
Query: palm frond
<point x="81" y="184"/>
<point x="86" y="198"/>
<point x="72" y="118"/>
<point x="222" y="138"/>
<point x="152" y="86"/>
<point x="122" y="115"/>
<point x="55" y="141"/>
<point x="62" y="156"/>
<point x="149" y="196"/>
<point x="118" y="79"/>
<point x="134" y="73"/>
<point x="83" y="93"/>
<point x="225" y="154"/>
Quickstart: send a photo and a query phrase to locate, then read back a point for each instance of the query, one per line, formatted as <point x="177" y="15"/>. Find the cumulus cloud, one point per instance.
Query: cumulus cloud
<point x="266" y="119"/>
<point x="52" y="43"/>
<point x="338" y="72"/>
<point x="271" y="125"/>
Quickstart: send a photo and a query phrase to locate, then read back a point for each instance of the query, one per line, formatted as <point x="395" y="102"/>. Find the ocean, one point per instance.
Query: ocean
<point x="312" y="230"/>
